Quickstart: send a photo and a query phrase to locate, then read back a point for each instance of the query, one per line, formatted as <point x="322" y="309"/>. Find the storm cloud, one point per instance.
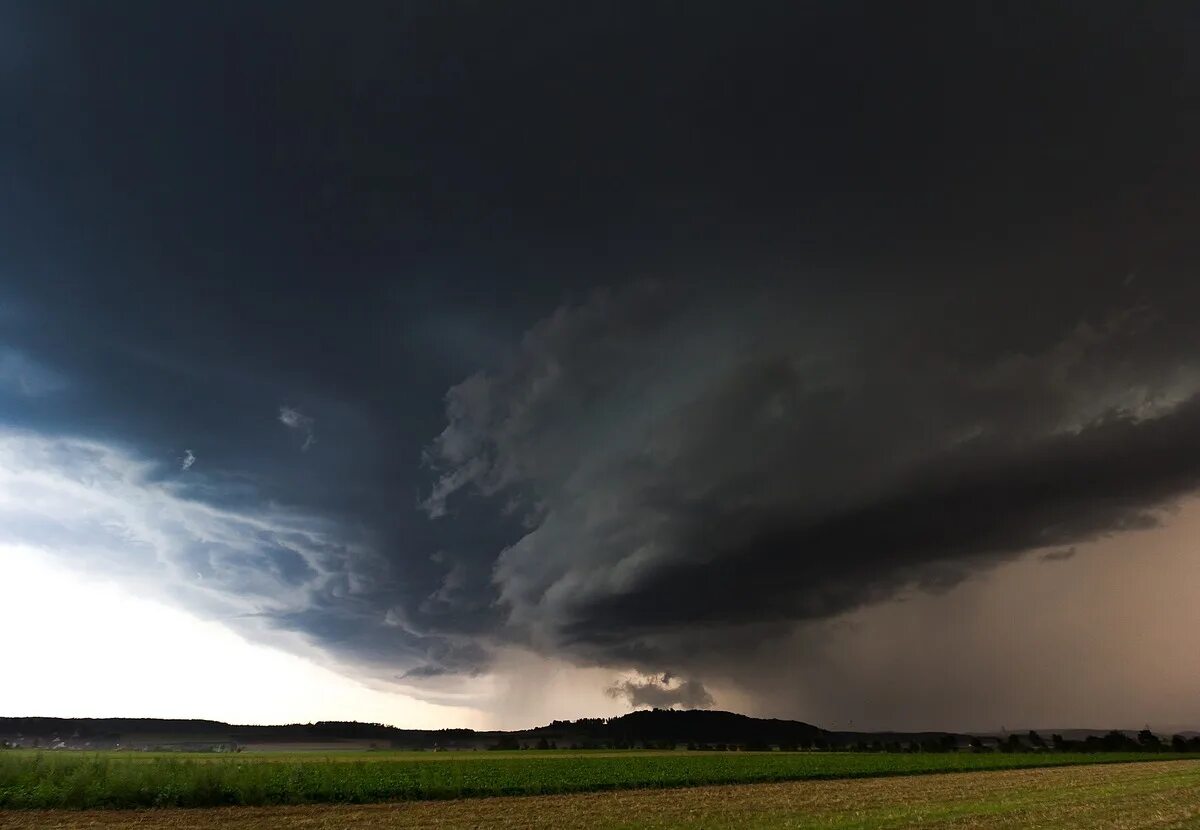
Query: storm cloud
<point x="679" y="492"/>
<point x="629" y="340"/>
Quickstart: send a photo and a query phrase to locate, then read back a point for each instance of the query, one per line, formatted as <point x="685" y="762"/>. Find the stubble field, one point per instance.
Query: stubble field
<point x="1156" y="794"/>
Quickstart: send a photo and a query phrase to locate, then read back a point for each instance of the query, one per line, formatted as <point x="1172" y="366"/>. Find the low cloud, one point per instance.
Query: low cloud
<point x="1059" y="555"/>
<point x="662" y="693"/>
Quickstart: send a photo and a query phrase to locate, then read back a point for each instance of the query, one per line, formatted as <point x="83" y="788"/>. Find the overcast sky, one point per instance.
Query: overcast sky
<point x="478" y="363"/>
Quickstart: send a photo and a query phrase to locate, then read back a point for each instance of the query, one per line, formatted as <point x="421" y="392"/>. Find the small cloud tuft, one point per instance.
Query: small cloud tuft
<point x="296" y="420"/>
<point x="189" y="458"/>
<point x="659" y="693"/>
<point x="1059" y="555"/>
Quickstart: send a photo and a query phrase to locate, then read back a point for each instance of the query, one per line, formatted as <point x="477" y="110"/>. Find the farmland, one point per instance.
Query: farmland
<point x="30" y="780"/>
<point x="1104" y="797"/>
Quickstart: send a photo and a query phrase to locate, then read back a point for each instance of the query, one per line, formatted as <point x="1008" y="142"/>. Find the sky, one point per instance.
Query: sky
<point x="475" y="364"/>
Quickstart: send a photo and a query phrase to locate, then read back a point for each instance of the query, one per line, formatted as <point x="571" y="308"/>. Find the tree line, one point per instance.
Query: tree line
<point x="1032" y="741"/>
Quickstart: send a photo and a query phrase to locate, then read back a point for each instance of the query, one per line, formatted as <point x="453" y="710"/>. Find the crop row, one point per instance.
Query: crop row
<point x="47" y="780"/>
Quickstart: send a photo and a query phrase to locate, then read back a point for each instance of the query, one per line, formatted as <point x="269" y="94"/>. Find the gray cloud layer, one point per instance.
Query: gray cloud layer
<point x="693" y="473"/>
<point x="912" y="321"/>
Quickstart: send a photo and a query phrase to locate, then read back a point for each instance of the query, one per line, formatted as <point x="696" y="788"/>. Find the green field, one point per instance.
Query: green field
<point x="115" y="780"/>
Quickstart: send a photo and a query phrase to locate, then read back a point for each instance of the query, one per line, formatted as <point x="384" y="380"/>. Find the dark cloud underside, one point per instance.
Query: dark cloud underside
<point x="628" y="334"/>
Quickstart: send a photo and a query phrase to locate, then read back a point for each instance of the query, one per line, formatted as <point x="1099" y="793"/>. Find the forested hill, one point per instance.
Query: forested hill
<point x="657" y="728"/>
<point x="686" y="726"/>
<point x="661" y="726"/>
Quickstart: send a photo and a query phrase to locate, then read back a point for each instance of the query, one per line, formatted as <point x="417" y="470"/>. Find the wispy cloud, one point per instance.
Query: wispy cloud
<point x="296" y="420"/>
<point x="26" y="377"/>
<point x="189" y="458"/>
<point x="111" y="514"/>
<point x="1059" y="555"/>
<point x="300" y="581"/>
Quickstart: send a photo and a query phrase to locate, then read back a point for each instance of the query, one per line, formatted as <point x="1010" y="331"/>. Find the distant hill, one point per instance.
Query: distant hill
<point x="1084" y="734"/>
<point x="659" y="726"/>
<point x="662" y="726"/>
<point x="148" y="733"/>
<point x="646" y="728"/>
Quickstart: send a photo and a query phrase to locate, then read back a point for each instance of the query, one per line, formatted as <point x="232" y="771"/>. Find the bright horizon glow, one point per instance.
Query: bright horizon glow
<point x="92" y="649"/>
<point x="135" y="600"/>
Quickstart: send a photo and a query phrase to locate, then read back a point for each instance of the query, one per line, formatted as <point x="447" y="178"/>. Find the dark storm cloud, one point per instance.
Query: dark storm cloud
<point x="680" y="489"/>
<point x="872" y="319"/>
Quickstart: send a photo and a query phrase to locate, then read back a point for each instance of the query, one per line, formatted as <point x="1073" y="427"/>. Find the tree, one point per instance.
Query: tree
<point x="1035" y="740"/>
<point x="1179" y="743"/>
<point x="1149" y="741"/>
<point x="1116" y="741"/>
<point x="506" y="742"/>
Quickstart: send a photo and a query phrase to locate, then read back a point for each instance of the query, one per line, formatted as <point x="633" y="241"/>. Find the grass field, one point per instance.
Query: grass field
<point x="31" y="780"/>
<point x="1101" y="797"/>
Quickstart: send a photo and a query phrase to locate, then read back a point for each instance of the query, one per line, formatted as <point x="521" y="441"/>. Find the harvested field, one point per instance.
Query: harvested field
<point x="31" y="780"/>
<point x="1105" y="797"/>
